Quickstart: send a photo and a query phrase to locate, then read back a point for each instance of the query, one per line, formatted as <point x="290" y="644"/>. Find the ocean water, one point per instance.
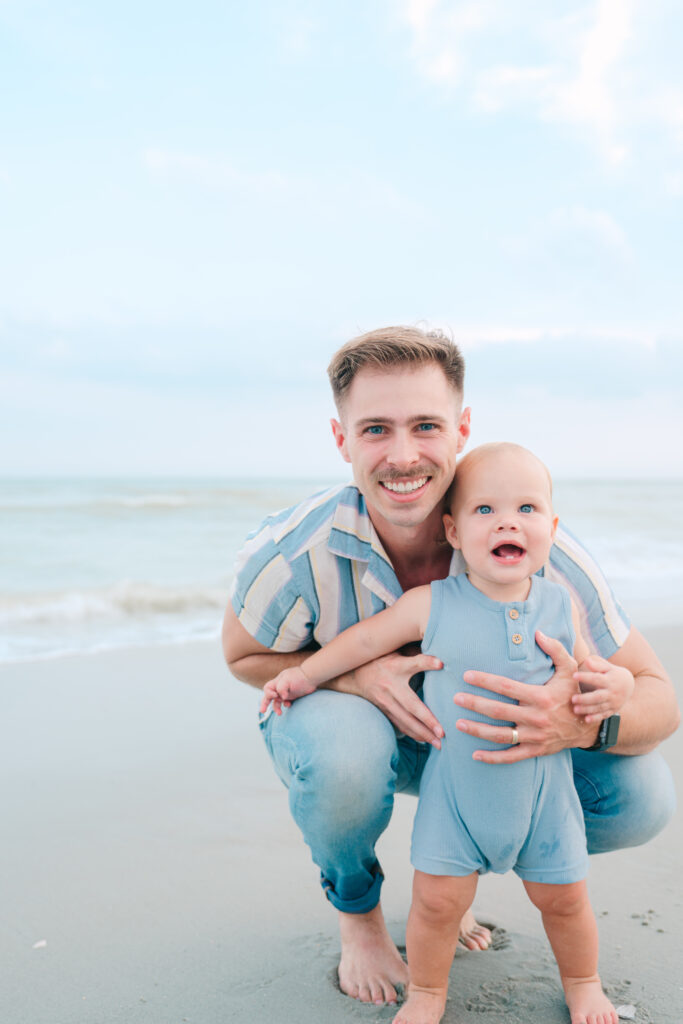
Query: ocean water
<point x="96" y="564"/>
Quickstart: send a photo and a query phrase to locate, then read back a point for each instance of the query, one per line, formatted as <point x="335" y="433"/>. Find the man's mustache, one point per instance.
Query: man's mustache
<point x="394" y="474"/>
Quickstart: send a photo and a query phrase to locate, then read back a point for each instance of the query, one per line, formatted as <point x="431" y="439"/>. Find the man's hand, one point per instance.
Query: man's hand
<point x="386" y="684"/>
<point x="605" y="688"/>
<point x="544" y="719"/>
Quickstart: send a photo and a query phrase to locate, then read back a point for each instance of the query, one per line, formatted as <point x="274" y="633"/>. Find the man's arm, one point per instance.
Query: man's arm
<point x="384" y="682"/>
<point x="651" y="714"/>
<point x="248" y="660"/>
<point x="545" y="720"/>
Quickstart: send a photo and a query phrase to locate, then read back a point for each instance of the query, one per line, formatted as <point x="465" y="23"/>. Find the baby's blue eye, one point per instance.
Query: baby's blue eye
<point x="526" y="508"/>
<point x="484" y="509"/>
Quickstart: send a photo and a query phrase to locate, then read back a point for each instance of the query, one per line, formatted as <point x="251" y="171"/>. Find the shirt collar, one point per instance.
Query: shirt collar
<point x="354" y="537"/>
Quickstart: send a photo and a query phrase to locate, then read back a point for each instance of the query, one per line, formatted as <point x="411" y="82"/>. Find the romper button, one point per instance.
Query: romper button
<point x="516" y="638"/>
<point x="514" y="614"/>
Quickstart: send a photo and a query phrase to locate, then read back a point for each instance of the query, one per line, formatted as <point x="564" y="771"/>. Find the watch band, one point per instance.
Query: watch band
<point x="607" y="733"/>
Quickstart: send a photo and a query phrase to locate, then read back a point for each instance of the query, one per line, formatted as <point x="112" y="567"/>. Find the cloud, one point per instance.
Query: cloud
<point x="665" y="107"/>
<point x="299" y="36"/>
<point x="440" y="32"/>
<point x="576" y="86"/>
<point x="479" y="335"/>
<point x="214" y="172"/>
<point x="596" y="70"/>
<point x="597" y="225"/>
<point x="587" y="240"/>
<point x="57" y="350"/>
<point x="330" y="196"/>
<point x="504" y="86"/>
<point x="590" y="97"/>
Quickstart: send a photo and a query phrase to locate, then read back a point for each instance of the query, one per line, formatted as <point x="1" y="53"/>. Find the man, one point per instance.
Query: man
<point x="343" y="752"/>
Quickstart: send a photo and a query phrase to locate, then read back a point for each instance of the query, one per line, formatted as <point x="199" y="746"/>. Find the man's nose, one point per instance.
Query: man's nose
<point x="403" y="451"/>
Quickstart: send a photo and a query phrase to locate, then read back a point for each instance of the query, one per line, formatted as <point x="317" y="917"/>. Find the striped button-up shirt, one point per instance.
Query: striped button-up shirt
<point x="313" y="570"/>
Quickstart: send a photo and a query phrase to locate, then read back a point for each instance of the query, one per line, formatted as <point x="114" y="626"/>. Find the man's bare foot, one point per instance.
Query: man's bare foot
<point x="587" y="1003"/>
<point x="473" y="935"/>
<point x="423" y="1006"/>
<point x="370" y="965"/>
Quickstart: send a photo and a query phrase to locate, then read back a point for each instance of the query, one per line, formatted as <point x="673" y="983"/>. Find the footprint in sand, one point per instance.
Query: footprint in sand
<point x="528" y="993"/>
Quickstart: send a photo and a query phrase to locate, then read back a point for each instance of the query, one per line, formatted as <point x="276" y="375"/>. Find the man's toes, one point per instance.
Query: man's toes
<point x="476" y="937"/>
<point x="389" y="994"/>
<point x="364" y="994"/>
<point x="350" y="990"/>
<point x="376" y="991"/>
<point x="482" y="936"/>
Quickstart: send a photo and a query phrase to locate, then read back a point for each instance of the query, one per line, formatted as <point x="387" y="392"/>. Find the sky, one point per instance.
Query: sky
<point x="199" y="203"/>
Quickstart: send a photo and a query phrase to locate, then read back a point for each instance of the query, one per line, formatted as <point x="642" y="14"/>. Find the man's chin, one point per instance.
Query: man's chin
<point x="407" y="511"/>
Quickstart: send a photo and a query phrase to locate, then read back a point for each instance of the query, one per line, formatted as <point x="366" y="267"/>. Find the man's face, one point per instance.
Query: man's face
<point x="401" y="430"/>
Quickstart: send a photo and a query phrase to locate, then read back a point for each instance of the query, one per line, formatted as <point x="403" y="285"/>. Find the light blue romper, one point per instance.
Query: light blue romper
<point x="473" y="816"/>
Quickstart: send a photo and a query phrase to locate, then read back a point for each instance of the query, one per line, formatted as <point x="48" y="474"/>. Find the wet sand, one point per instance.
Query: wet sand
<point x="151" y="872"/>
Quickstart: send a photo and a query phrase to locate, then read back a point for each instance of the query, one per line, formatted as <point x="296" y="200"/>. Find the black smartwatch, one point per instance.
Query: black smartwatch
<point x="607" y="733"/>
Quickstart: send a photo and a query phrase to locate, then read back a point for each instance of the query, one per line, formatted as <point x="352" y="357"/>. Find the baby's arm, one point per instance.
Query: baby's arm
<point x="289" y="685"/>
<point x="368" y="640"/>
<point x="604" y="687"/>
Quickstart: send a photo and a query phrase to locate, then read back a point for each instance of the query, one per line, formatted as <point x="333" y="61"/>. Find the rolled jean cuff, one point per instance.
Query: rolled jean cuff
<point x="361" y="904"/>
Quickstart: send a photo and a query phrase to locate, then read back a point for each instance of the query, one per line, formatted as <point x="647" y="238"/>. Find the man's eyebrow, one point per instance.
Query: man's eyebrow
<point x="426" y="417"/>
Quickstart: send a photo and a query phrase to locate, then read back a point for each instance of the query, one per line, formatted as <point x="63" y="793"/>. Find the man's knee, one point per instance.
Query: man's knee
<point x="626" y="800"/>
<point x="339" y="754"/>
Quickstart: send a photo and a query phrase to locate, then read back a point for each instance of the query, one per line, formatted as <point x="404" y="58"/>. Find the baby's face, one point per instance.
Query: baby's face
<point x="502" y="517"/>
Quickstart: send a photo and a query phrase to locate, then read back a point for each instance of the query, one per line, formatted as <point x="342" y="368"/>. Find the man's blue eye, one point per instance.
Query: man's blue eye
<point x="375" y="430"/>
<point x="427" y="426"/>
<point x="484" y="509"/>
<point x="526" y="508"/>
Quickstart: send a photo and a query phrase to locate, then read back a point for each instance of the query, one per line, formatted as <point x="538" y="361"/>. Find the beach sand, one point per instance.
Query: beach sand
<point x="151" y="871"/>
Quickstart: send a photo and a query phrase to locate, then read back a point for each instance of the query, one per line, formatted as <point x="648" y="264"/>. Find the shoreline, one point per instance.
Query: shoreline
<point x="653" y="620"/>
<point x="154" y="873"/>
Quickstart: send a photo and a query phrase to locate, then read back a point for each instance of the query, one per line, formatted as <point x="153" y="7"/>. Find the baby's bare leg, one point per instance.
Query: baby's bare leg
<point x="439" y="903"/>
<point x="571" y="928"/>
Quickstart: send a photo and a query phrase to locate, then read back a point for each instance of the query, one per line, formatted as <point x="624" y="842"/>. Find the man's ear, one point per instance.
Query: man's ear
<point x="464" y="428"/>
<point x="450" y="530"/>
<point x="340" y="439"/>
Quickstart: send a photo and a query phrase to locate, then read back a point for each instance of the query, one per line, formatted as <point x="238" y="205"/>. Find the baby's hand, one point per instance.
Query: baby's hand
<point x="605" y="688"/>
<point x="286" y="687"/>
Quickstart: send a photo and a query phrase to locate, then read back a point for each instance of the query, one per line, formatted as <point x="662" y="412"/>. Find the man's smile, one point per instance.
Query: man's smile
<point x="404" y="486"/>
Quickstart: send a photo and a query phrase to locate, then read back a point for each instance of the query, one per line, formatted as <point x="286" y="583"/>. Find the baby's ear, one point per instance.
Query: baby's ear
<point x="553" y="527"/>
<point x="451" y="532"/>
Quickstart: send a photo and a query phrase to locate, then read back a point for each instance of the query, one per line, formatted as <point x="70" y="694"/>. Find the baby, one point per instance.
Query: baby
<point x="474" y="817"/>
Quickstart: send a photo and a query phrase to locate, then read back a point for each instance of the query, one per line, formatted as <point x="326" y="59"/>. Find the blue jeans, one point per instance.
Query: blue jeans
<point x="342" y="763"/>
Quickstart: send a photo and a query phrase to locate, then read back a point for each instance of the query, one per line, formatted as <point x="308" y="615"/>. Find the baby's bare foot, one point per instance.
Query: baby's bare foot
<point x="423" y="1006"/>
<point x="473" y="935"/>
<point x="587" y="1003"/>
<point x="370" y="965"/>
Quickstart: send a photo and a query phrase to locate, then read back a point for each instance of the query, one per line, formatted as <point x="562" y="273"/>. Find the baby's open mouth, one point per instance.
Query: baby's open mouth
<point x="508" y="552"/>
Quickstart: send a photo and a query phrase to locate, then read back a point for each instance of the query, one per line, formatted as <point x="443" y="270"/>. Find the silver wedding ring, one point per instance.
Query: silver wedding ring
<point x="515" y="737"/>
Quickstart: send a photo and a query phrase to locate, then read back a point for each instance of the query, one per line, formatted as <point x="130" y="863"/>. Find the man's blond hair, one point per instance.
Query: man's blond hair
<point x="392" y="347"/>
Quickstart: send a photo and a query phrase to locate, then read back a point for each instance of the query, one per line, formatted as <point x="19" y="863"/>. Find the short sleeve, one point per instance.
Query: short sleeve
<point x="265" y="596"/>
<point x="604" y="622"/>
